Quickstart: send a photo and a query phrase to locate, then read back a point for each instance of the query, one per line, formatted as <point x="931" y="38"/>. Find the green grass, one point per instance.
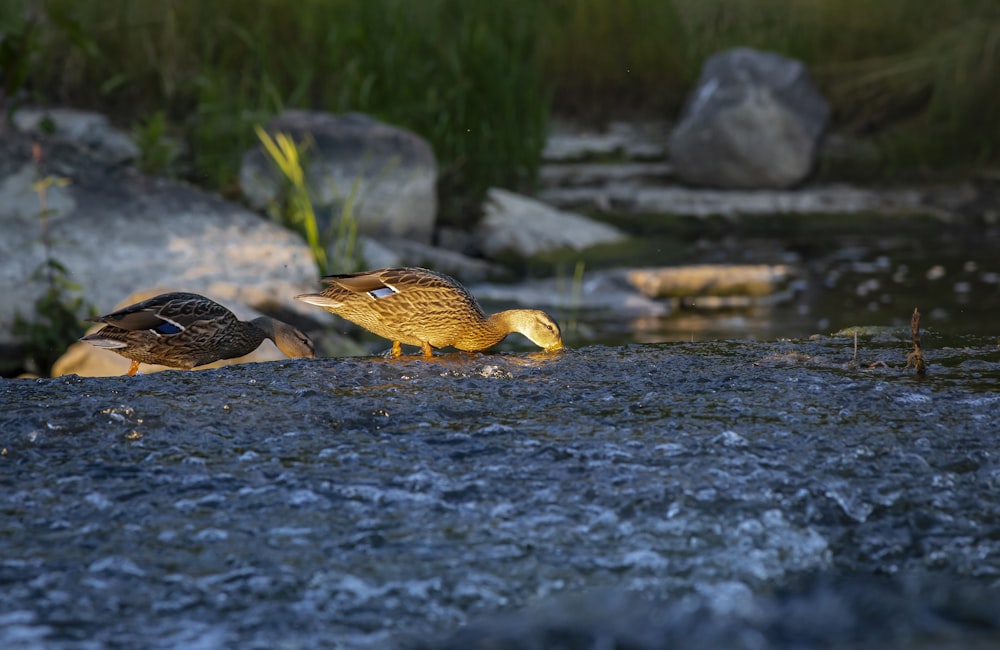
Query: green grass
<point x="479" y="78"/>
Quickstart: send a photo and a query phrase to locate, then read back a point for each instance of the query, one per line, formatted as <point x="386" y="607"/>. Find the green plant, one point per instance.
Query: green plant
<point x="610" y="58"/>
<point x="576" y="295"/>
<point x="346" y="255"/>
<point x="572" y="288"/>
<point x="158" y="154"/>
<point x="296" y="209"/>
<point x="18" y="44"/>
<point x="57" y="321"/>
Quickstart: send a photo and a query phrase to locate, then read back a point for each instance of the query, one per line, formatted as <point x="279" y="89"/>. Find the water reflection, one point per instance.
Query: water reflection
<point x="841" y="281"/>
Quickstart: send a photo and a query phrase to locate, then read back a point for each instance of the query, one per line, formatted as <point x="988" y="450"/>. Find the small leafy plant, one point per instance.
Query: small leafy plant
<point x="57" y="319"/>
<point x="158" y="154"/>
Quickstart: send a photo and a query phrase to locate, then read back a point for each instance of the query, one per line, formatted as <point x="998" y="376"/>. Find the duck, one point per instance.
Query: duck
<point x="186" y="330"/>
<point x="418" y="306"/>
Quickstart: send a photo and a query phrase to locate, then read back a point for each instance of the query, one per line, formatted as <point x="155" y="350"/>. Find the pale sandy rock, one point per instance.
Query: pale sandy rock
<point x="711" y="280"/>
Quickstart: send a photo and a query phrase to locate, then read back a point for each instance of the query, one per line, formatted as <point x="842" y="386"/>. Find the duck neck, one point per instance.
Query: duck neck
<point x="507" y="322"/>
<point x="254" y="332"/>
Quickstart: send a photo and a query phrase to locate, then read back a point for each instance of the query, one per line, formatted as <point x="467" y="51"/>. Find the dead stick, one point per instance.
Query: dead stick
<point x="915" y="359"/>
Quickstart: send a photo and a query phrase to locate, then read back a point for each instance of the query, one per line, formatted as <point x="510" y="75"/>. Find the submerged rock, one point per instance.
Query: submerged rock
<point x="822" y="612"/>
<point x="638" y="496"/>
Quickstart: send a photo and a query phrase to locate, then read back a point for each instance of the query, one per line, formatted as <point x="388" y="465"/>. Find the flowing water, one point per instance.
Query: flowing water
<point x="720" y="494"/>
<point x="848" y="271"/>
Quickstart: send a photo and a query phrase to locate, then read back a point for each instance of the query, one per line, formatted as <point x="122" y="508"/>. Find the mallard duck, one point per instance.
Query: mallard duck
<point x="421" y="307"/>
<point x="185" y="330"/>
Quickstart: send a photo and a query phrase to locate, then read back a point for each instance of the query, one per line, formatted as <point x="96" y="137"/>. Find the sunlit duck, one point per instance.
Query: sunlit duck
<point x="185" y="330"/>
<point x="421" y="307"/>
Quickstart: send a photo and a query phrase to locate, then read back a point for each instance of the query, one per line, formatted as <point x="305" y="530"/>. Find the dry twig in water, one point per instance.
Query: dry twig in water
<point x="915" y="359"/>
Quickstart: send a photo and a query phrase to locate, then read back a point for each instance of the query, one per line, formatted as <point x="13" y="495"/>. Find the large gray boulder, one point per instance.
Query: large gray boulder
<point x="754" y="120"/>
<point x="391" y="172"/>
<point x="117" y="231"/>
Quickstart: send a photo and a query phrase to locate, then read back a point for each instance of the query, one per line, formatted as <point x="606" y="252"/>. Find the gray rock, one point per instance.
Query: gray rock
<point x="462" y="267"/>
<point x="389" y="173"/>
<point x="383" y="253"/>
<point x="517" y="224"/>
<point x="90" y="130"/>
<point x="700" y="202"/>
<point x="597" y="291"/>
<point x="596" y="174"/>
<point x="568" y="142"/>
<point x="754" y="120"/>
<point x="116" y="231"/>
<point x="376" y="255"/>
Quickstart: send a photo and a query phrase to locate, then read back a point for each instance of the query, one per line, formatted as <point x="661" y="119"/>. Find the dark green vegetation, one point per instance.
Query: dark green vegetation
<point x="480" y="78"/>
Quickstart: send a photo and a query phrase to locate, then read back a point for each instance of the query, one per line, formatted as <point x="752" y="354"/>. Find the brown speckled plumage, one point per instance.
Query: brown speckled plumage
<point x="186" y="330"/>
<point x="417" y="306"/>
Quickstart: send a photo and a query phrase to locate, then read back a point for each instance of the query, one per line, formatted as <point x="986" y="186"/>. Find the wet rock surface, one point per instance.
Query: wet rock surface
<point x="707" y="491"/>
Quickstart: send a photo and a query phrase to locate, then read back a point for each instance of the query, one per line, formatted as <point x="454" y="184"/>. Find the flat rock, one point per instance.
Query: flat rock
<point x="590" y="174"/>
<point x="88" y="129"/>
<point x="523" y="226"/>
<point x="719" y="280"/>
<point x="684" y="201"/>
<point x="597" y="291"/>
<point x="462" y="267"/>
<point x="568" y="142"/>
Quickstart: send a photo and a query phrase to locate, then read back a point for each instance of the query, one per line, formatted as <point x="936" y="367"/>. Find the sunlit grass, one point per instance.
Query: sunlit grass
<point x="297" y="208"/>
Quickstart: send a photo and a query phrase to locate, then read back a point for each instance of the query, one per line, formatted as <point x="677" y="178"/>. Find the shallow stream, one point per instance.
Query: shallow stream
<point x="847" y="271"/>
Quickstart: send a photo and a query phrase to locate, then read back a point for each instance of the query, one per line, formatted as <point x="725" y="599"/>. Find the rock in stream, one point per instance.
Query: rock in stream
<point x="719" y="495"/>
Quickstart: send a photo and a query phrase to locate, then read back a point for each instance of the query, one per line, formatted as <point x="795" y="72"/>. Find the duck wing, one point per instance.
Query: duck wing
<point x="168" y="313"/>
